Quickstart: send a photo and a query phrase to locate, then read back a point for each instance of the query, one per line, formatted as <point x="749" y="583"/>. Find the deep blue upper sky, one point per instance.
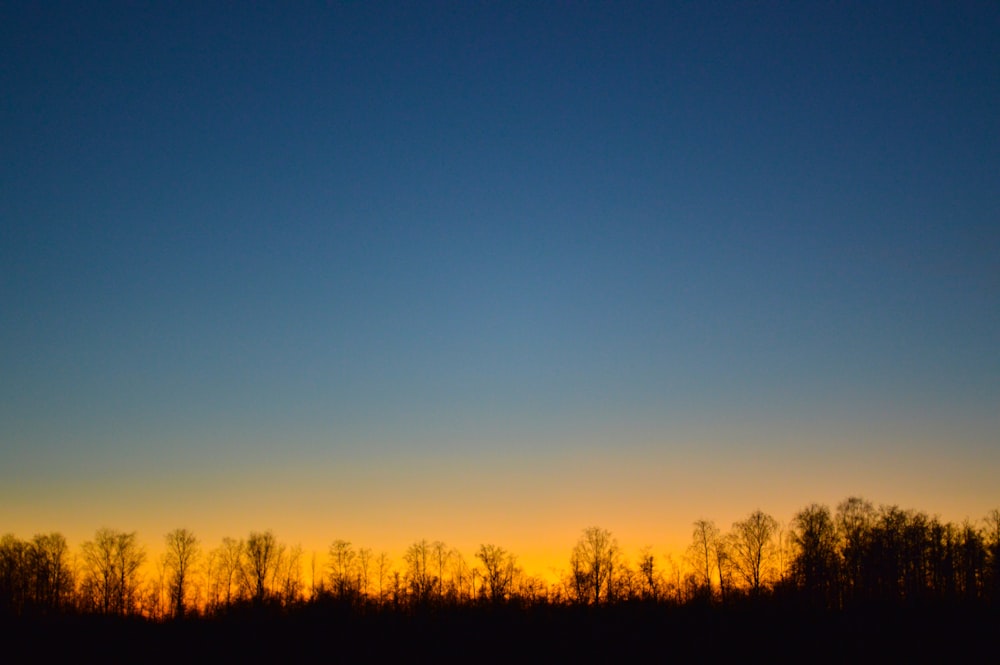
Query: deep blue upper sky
<point x="411" y="222"/>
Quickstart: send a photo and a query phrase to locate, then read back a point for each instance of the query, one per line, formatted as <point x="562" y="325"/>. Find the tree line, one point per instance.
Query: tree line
<point x="855" y="555"/>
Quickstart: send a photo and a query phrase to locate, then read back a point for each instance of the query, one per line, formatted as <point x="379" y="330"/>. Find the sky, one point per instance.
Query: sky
<point x="495" y="272"/>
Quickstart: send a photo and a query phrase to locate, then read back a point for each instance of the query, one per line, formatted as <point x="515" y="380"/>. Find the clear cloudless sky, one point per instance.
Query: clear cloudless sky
<point x="495" y="272"/>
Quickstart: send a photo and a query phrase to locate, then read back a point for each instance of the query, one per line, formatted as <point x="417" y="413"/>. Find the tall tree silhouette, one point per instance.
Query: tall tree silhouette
<point x="592" y="564"/>
<point x="815" y="568"/>
<point x="179" y="559"/>
<point x="262" y="561"/>
<point x="498" y="575"/>
<point x="288" y="583"/>
<point x="225" y="573"/>
<point x="14" y="580"/>
<point x="419" y="578"/>
<point x="972" y="556"/>
<point x="111" y="565"/>
<point x="752" y="549"/>
<point x="383" y="576"/>
<point x="854" y="519"/>
<point x="701" y="553"/>
<point x="650" y="576"/>
<point x="441" y="556"/>
<point x="51" y="574"/>
<point x="343" y="566"/>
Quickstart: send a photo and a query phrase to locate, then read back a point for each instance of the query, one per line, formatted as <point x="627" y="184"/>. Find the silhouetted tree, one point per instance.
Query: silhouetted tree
<point x="262" y="561"/>
<point x="288" y="575"/>
<point x="14" y="578"/>
<point x="364" y="568"/>
<point x="701" y="553"/>
<point x="498" y="571"/>
<point x="419" y="578"/>
<point x="225" y="573"/>
<point x="886" y="558"/>
<point x="815" y="563"/>
<point x="651" y="580"/>
<point x="854" y="557"/>
<point x="592" y="565"/>
<point x="942" y="558"/>
<point x="854" y="520"/>
<point x="342" y="561"/>
<point x="972" y="572"/>
<point x="35" y="575"/>
<point x="51" y="572"/>
<point x="397" y="589"/>
<point x="441" y="556"/>
<point x="751" y="549"/>
<point x="179" y="560"/>
<point x="111" y="578"/>
<point x="916" y="555"/>
<point x="459" y="586"/>
<point x="383" y="574"/>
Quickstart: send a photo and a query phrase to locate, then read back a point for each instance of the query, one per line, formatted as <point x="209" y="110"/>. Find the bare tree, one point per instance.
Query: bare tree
<point x="651" y="584"/>
<point x="592" y="565"/>
<point x="226" y="572"/>
<point x="51" y="574"/>
<point x="971" y="557"/>
<point x="343" y="570"/>
<point x="364" y="569"/>
<point x="383" y="573"/>
<point x="752" y="549"/>
<point x="179" y="559"/>
<point x="111" y="571"/>
<point x="153" y="597"/>
<point x="459" y="577"/>
<point x="441" y="556"/>
<point x="498" y="576"/>
<point x="98" y="574"/>
<point x="814" y="567"/>
<point x="314" y="586"/>
<point x="288" y="575"/>
<point x="14" y="577"/>
<point x="418" y="576"/>
<point x="262" y="561"/>
<point x="673" y="587"/>
<point x="855" y="520"/>
<point x="701" y="553"/>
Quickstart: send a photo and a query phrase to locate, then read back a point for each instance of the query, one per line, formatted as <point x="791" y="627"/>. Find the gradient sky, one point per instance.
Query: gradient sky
<point x="495" y="272"/>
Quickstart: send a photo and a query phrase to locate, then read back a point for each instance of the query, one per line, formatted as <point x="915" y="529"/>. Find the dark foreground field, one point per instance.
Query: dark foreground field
<point x="548" y="634"/>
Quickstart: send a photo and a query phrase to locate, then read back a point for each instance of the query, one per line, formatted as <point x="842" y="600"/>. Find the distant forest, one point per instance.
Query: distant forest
<point x="857" y="583"/>
<point x="855" y="555"/>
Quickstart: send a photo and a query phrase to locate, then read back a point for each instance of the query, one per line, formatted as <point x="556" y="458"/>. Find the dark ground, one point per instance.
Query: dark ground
<point x="546" y="634"/>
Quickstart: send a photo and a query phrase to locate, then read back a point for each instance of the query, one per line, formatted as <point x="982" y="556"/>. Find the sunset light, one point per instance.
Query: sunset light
<point x="469" y="288"/>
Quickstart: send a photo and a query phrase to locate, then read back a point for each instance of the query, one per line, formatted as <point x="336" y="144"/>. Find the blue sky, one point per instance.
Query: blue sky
<point x="326" y="236"/>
